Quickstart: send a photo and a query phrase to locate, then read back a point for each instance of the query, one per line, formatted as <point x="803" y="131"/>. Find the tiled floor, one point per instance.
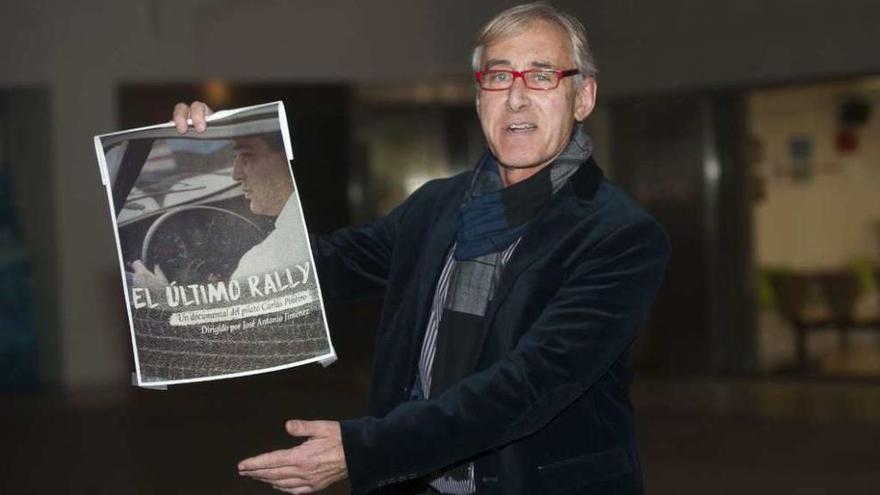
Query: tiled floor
<point x="701" y="437"/>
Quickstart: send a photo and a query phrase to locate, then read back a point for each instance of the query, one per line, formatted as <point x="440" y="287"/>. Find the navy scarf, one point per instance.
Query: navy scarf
<point x="492" y="217"/>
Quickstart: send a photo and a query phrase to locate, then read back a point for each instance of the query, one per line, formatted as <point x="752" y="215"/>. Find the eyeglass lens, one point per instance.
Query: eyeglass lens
<point x="535" y="79"/>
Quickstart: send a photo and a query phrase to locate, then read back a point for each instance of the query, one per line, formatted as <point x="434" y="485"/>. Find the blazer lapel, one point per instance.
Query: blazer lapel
<point x="441" y="235"/>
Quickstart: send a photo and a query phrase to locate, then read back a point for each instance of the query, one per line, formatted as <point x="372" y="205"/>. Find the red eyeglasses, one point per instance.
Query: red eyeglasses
<point x="540" y="79"/>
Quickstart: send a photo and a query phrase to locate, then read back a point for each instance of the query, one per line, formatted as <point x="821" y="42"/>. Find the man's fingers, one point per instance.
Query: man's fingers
<point x="297" y="485"/>
<point x="181" y="113"/>
<point x="198" y="112"/>
<point x="301" y="428"/>
<point x="287" y="479"/>
<point x="295" y="491"/>
<point x="272" y="475"/>
<point x="292" y="484"/>
<point x="297" y="428"/>
<point x="268" y="460"/>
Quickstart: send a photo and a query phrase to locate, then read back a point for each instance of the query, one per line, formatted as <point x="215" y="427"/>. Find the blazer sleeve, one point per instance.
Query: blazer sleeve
<point x="585" y="327"/>
<point x="354" y="262"/>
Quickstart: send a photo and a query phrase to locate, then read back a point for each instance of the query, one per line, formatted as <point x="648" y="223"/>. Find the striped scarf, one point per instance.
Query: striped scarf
<point x="492" y="220"/>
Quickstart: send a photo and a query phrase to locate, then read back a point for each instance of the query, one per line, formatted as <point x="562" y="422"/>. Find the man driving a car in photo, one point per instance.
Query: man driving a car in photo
<point x="262" y="169"/>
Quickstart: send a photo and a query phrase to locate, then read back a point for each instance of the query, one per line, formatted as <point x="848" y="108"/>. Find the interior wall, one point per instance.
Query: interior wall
<point x="832" y="217"/>
<point x="84" y="50"/>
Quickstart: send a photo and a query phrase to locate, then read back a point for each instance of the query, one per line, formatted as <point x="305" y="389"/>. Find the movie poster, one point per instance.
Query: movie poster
<point x="213" y="249"/>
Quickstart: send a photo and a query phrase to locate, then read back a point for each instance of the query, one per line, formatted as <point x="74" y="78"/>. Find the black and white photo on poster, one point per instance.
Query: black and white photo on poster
<point x="213" y="249"/>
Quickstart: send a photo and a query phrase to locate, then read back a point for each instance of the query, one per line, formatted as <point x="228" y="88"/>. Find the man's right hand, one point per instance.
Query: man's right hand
<point x="141" y="276"/>
<point x="197" y="111"/>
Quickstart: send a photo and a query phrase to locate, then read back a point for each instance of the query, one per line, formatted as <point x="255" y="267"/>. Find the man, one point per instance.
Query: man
<point x="262" y="168"/>
<point x="513" y="294"/>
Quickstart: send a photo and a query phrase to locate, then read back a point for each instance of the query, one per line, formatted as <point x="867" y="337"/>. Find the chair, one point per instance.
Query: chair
<point x="800" y="300"/>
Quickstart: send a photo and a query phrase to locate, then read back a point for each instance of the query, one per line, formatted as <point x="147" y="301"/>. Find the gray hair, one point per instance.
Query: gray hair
<point x="515" y="19"/>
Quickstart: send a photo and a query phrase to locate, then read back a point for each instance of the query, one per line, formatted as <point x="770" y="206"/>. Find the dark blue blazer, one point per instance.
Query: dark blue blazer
<point x="546" y="409"/>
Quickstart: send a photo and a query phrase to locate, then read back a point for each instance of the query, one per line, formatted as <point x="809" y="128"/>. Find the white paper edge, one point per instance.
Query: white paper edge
<point x="331" y="357"/>
<point x="316" y="359"/>
<point x="324" y="359"/>
<point x="221" y="114"/>
<point x="102" y="165"/>
<point x="134" y="381"/>
<point x="285" y="133"/>
<point x="288" y="148"/>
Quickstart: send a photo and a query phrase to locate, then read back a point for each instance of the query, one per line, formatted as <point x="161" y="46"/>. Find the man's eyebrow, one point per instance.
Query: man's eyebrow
<point x="538" y="64"/>
<point x="494" y="62"/>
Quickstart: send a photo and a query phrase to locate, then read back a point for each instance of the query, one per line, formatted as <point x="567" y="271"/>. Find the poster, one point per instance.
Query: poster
<point x="213" y="249"/>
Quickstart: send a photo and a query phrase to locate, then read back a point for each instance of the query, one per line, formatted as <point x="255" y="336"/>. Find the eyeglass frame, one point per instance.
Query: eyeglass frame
<point x="560" y="74"/>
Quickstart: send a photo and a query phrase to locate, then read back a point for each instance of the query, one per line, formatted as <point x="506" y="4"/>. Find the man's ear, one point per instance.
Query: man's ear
<point x="477" y="101"/>
<point x="585" y="99"/>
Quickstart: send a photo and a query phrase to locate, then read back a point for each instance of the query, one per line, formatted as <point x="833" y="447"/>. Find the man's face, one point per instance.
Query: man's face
<point x="524" y="127"/>
<point x="264" y="175"/>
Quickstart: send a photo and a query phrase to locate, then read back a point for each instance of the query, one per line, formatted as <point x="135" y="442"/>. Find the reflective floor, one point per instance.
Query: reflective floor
<point x="759" y="437"/>
<point x="698" y="437"/>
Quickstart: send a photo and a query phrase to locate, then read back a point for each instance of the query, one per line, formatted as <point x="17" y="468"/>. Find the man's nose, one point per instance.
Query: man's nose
<point x="518" y="95"/>
<point x="237" y="174"/>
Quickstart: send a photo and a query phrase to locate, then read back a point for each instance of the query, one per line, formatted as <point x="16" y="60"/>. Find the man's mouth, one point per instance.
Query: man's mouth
<point x="521" y="127"/>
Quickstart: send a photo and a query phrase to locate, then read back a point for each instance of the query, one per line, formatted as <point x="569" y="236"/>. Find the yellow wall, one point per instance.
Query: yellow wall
<point x="834" y="216"/>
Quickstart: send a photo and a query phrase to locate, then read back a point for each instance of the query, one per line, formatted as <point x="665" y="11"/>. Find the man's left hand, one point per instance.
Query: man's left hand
<point x="315" y="464"/>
